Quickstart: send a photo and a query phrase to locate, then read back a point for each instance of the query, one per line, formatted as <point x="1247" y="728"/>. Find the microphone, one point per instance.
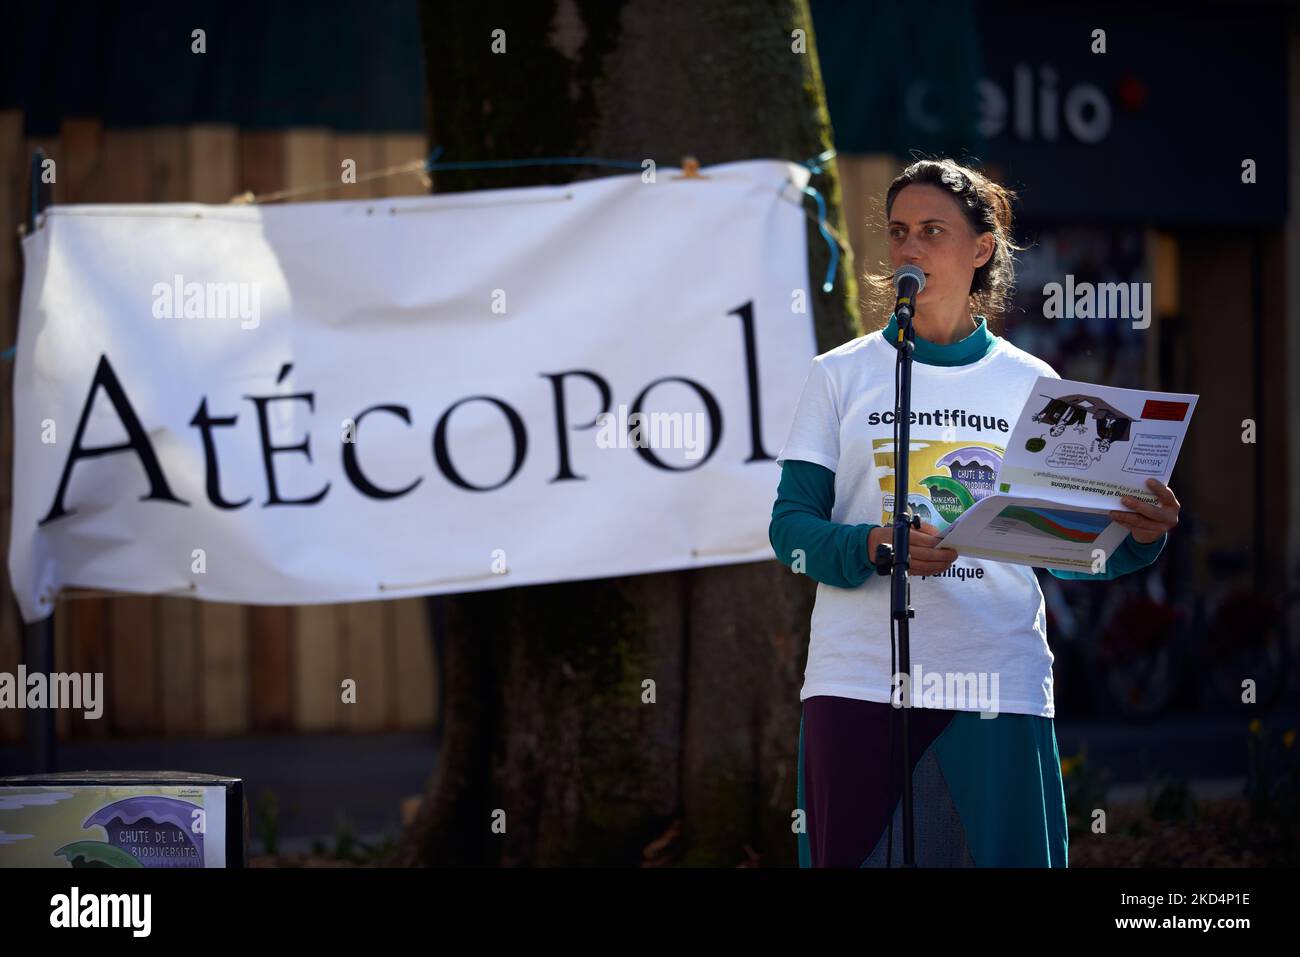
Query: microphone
<point x="908" y="281"/>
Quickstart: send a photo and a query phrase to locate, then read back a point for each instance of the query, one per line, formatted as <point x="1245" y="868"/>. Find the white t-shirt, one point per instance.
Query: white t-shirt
<point x="979" y="637"/>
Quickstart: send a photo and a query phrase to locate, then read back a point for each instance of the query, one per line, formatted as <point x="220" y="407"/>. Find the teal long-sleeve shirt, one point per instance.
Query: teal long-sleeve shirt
<point x="804" y="537"/>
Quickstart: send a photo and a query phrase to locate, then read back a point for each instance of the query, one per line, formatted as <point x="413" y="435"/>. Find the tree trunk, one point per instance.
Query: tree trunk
<point x="544" y="713"/>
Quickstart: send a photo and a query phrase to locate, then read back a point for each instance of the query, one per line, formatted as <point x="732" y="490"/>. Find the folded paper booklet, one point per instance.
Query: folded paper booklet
<point x="1075" y="449"/>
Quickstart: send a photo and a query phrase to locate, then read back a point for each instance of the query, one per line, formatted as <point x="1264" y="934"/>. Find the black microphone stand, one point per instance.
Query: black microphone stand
<point x="895" y="559"/>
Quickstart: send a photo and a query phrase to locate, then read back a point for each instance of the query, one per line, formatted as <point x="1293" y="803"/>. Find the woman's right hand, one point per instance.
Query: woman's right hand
<point x="925" y="555"/>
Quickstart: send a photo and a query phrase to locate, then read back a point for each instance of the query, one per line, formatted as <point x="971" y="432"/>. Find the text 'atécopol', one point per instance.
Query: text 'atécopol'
<point x="561" y="411"/>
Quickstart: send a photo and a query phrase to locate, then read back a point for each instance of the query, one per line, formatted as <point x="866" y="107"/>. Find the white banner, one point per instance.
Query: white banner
<point x="342" y="401"/>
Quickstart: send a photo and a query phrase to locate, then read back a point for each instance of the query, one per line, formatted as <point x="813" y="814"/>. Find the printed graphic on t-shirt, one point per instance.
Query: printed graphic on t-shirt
<point x="944" y="478"/>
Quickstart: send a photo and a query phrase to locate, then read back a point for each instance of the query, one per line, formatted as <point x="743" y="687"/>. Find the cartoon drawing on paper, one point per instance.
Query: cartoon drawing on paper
<point x="1067" y="411"/>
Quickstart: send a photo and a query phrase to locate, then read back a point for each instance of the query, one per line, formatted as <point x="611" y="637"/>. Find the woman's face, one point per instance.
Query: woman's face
<point x="927" y="229"/>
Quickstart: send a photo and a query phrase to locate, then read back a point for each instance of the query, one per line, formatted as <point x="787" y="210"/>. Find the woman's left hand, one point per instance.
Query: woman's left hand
<point x="1146" y="522"/>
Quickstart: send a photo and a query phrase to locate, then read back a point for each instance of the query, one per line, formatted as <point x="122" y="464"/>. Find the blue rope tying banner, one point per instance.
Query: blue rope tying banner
<point x="813" y="165"/>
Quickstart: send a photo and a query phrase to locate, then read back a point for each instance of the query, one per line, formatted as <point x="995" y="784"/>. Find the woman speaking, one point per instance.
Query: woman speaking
<point x="986" y="774"/>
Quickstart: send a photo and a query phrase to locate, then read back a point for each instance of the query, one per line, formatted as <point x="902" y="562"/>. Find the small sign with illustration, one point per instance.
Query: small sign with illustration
<point x="114" y="824"/>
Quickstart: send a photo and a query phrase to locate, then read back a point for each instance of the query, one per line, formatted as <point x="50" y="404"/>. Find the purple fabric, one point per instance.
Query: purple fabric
<point x="845" y="747"/>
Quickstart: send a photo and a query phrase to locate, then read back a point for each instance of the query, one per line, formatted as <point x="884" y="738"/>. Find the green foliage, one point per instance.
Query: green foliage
<point x="1085" y="789"/>
<point x="1273" y="780"/>
<point x="268" y="821"/>
<point x="1170" y="800"/>
<point x="349" y="849"/>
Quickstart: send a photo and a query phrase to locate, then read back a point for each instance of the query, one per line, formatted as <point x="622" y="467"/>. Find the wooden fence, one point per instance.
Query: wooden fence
<point x="175" y="666"/>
